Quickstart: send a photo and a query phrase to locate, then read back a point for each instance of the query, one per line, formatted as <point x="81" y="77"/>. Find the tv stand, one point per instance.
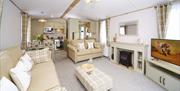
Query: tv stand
<point x="163" y="73"/>
<point x="166" y="65"/>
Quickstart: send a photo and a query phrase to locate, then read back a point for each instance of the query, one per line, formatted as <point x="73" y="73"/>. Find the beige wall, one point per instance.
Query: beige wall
<point x="73" y="26"/>
<point x="38" y="27"/>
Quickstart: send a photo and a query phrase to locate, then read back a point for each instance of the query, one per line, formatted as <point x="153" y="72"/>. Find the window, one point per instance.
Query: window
<point x="122" y="30"/>
<point x="82" y="28"/>
<point x="173" y="26"/>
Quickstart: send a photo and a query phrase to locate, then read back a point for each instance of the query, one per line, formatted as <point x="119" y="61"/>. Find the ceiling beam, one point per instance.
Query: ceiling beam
<point x="72" y="5"/>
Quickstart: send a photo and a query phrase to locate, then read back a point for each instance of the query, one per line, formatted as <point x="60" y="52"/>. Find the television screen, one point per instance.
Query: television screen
<point x="48" y="30"/>
<point x="166" y="50"/>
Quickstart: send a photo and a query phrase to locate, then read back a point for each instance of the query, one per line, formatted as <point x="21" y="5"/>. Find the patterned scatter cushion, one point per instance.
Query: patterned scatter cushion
<point x="39" y="56"/>
<point x="81" y="46"/>
<point x="90" y="45"/>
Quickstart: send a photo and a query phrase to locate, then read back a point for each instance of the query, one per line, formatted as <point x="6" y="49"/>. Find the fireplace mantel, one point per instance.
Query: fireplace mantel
<point x="139" y="54"/>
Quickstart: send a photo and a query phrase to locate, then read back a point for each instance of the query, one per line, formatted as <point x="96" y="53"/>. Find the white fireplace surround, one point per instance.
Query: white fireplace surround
<point x="139" y="54"/>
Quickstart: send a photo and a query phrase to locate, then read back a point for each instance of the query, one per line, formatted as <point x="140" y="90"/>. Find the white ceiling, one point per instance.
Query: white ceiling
<point x="95" y="11"/>
<point x="108" y="8"/>
<point x="51" y="8"/>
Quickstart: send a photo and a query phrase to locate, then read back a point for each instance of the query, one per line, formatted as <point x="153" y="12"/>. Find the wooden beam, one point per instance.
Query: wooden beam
<point x="72" y="5"/>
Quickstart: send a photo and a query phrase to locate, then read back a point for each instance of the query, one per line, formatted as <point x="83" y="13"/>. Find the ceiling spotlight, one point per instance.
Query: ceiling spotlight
<point x="42" y="20"/>
<point x="91" y="1"/>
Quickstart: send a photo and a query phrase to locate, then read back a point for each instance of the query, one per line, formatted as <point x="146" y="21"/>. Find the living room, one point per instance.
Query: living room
<point x="90" y="45"/>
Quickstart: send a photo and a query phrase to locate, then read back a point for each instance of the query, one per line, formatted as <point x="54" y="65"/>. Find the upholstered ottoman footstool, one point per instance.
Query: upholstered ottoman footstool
<point x="95" y="81"/>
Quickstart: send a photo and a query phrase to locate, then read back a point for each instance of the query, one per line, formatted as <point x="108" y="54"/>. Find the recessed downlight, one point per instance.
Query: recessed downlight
<point x="42" y="20"/>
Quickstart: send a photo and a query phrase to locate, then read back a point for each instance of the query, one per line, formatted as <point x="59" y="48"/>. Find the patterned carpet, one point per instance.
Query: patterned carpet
<point x="123" y="79"/>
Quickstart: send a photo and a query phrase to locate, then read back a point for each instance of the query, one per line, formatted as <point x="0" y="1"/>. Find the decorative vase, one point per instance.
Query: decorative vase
<point x="139" y="41"/>
<point x="115" y="38"/>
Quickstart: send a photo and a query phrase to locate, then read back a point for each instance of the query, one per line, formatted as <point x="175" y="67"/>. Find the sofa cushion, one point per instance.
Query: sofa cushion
<point x="9" y="58"/>
<point x="94" y="50"/>
<point x="21" y="78"/>
<point x="97" y="45"/>
<point x="7" y="85"/>
<point x="39" y="56"/>
<point x="89" y="40"/>
<point x="90" y="45"/>
<point x="43" y="77"/>
<point x="15" y="53"/>
<point x="81" y="47"/>
<point x="27" y="61"/>
<point x="89" y="51"/>
<point x="6" y="63"/>
<point x="75" y="42"/>
<point x="84" y="52"/>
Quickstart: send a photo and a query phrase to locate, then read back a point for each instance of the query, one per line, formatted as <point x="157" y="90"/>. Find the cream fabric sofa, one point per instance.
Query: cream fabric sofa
<point x="44" y="75"/>
<point x="77" y="56"/>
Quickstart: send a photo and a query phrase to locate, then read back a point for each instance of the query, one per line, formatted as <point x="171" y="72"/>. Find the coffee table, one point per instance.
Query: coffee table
<point x="96" y="81"/>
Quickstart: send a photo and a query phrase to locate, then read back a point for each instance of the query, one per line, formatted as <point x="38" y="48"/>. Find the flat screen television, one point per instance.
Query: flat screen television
<point x="166" y="50"/>
<point x="48" y="30"/>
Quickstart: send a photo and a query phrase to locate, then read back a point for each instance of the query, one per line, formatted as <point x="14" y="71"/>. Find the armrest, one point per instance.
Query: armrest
<point x="72" y="52"/>
<point x="97" y="45"/>
<point x="72" y="48"/>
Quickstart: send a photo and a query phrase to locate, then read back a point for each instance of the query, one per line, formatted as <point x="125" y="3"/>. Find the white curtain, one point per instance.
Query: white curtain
<point x="173" y="26"/>
<point x="103" y="35"/>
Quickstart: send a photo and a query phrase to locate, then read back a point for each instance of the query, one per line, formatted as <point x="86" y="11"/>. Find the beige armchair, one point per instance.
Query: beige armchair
<point x="77" y="55"/>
